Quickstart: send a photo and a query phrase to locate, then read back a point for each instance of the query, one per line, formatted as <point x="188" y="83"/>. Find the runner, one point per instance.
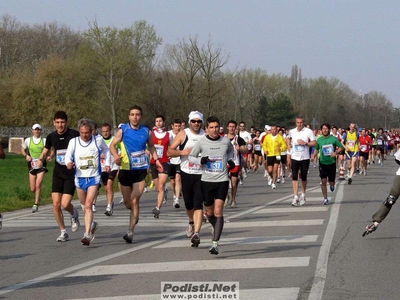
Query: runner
<point x="83" y="156"/>
<point x="216" y="153"/>
<point x="328" y="147"/>
<point x="365" y="143"/>
<point x="175" y="166"/>
<point x="108" y="178"/>
<point x="240" y="147"/>
<point x="298" y="141"/>
<point x="273" y="145"/>
<point x="258" y="157"/>
<point x="133" y="163"/>
<point x="351" y="146"/>
<point x="63" y="187"/>
<point x="31" y="148"/>
<point x="190" y="174"/>
<point x="161" y="143"/>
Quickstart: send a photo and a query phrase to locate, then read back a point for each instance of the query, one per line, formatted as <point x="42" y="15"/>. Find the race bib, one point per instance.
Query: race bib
<point x="364" y="148"/>
<point x="160" y="150"/>
<point x="351" y="144"/>
<point x="327" y="150"/>
<point x="299" y="148"/>
<point x="138" y="159"/>
<point x="214" y="165"/>
<point x="380" y="142"/>
<point x="87" y="162"/>
<point x="257" y="147"/>
<point x="194" y="167"/>
<point x="34" y="163"/>
<point x="60" y="156"/>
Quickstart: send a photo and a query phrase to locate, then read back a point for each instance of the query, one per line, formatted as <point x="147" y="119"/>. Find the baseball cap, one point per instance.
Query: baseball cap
<point x="37" y="126"/>
<point x="195" y="115"/>
<point x="267" y="127"/>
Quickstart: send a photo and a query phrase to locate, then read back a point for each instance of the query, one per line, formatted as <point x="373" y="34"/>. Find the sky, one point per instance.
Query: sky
<point x="356" y="41"/>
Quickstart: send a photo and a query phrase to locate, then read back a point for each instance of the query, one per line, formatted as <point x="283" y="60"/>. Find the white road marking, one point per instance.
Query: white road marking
<point x="199" y="265"/>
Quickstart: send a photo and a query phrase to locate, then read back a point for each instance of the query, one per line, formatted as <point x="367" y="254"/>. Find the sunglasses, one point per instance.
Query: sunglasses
<point x="196" y="121"/>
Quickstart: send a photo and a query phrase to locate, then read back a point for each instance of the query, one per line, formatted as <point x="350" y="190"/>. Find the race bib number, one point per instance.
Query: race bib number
<point x="214" y="165"/>
<point x="364" y="148"/>
<point x="138" y="159"/>
<point x="299" y="148"/>
<point x="327" y="150"/>
<point x="159" y="150"/>
<point x="380" y="142"/>
<point x="87" y="162"/>
<point x="257" y="147"/>
<point x="351" y="144"/>
<point x="34" y="162"/>
<point x="60" y="156"/>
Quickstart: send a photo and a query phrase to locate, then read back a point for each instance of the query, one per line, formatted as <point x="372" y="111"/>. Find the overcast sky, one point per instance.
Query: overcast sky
<point x="355" y="41"/>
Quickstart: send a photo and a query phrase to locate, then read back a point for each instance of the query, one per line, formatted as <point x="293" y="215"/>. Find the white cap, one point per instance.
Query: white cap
<point x="195" y="115"/>
<point x="267" y="127"/>
<point x="37" y="126"/>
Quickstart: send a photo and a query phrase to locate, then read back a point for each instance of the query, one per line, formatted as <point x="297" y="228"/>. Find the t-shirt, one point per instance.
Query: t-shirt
<point x="326" y="146"/>
<point x="60" y="144"/>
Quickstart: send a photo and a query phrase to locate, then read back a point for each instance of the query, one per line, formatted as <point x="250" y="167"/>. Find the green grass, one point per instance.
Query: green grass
<point x="14" y="177"/>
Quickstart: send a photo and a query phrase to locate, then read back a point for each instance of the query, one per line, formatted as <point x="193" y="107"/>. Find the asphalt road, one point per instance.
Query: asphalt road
<point x="273" y="250"/>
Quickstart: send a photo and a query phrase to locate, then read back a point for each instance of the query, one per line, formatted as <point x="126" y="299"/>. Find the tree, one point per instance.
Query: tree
<point x="281" y="111"/>
<point x="115" y="58"/>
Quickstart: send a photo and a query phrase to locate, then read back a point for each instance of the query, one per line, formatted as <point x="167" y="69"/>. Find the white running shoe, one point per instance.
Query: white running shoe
<point x="94" y="208"/>
<point x="295" y="201"/>
<point x="165" y="196"/>
<point x="63" y="237"/>
<point x="75" y="221"/>
<point x="190" y="230"/>
<point x="176" y="202"/>
<point x="265" y="174"/>
<point x="302" y="200"/>
<point x="283" y="179"/>
<point x="270" y="181"/>
<point x="273" y="186"/>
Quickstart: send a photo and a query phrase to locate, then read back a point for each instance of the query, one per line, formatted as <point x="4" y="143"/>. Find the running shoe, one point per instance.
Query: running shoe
<point x="151" y="185"/>
<point x="214" y="248"/>
<point x="165" y="196"/>
<point x="273" y="186"/>
<point x="270" y="181"/>
<point x="365" y="172"/>
<point x="75" y="221"/>
<point x="302" y="200"/>
<point x="176" y="202"/>
<point x="128" y="237"/>
<point x="227" y="199"/>
<point x="86" y="240"/>
<point x="93" y="229"/>
<point x="283" y="179"/>
<point x="156" y="212"/>
<point x="240" y="181"/>
<point x="145" y="189"/>
<point x="265" y="174"/>
<point x="332" y="188"/>
<point x="233" y="205"/>
<point x="278" y="180"/>
<point x="295" y="201"/>
<point x="94" y="208"/>
<point x="63" y="237"/>
<point x="350" y="180"/>
<point x="326" y="201"/>
<point x="35" y="208"/>
<point x="190" y="230"/>
<point x="195" y="240"/>
<point x="110" y="209"/>
<point x="121" y="201"/>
